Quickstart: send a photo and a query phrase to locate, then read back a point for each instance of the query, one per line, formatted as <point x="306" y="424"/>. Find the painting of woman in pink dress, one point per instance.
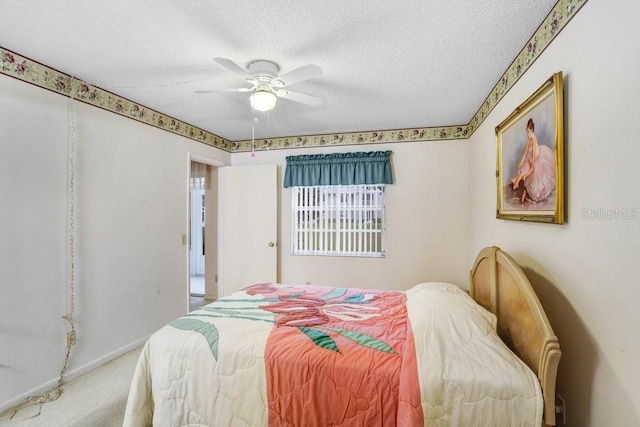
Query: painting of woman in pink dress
<point x="530" y="161"/>
<point x="536" y="170"/>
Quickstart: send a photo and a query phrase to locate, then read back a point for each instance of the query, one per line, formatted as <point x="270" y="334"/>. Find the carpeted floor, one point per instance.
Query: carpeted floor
<point x="96" y="399"/>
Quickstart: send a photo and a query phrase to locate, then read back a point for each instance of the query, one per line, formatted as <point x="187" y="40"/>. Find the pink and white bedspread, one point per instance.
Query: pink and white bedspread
<point x="294" y="355"/>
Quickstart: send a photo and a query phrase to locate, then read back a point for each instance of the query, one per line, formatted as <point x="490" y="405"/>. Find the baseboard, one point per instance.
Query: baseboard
<point x="71" y="374"/>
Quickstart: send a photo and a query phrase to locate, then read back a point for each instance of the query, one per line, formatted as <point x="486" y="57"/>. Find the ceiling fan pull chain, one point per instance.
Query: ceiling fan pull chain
<point x="268" y="125"/>
<point x="253" y="136"/>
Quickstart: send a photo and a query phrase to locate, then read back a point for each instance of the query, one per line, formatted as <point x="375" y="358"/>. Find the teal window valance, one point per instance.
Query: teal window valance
<point x="361" y="168"/>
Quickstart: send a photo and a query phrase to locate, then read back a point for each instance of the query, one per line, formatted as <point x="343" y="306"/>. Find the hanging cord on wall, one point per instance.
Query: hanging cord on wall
<point x="56" y="392"/>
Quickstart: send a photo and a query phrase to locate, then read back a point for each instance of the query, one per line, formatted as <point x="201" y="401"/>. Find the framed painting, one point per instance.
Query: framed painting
<point x="530" y="164"/>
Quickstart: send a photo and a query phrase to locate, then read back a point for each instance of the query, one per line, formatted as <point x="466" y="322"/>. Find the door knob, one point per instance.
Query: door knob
<point x="272" y="244"/>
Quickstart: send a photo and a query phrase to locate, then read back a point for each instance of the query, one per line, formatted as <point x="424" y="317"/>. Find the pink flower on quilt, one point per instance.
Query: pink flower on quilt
<point x="351" y="312"/>
<point x="263" y="288"/>
<point x="298" y="311"/>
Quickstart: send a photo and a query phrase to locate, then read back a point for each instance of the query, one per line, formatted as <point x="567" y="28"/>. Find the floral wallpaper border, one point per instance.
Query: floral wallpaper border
<point x="354" y="138"/>
<point x="22" y="68"/>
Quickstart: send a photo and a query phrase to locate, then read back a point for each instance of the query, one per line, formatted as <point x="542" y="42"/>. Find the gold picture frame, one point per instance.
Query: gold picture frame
<point x="530" y="163"/>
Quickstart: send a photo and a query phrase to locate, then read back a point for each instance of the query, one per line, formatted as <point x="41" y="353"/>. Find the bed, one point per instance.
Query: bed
<point x="298" y="355"/>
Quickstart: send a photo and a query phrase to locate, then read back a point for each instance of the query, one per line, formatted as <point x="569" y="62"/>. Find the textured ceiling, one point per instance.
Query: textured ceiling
<point x="386" y="65"/>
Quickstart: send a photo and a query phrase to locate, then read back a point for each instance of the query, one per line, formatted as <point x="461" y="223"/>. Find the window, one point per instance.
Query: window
<point x="345" y="220"/>
<point x="338" y="203"/>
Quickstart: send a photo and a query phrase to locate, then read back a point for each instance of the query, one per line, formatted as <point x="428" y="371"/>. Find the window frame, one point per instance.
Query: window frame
<point x="339" y="220"/>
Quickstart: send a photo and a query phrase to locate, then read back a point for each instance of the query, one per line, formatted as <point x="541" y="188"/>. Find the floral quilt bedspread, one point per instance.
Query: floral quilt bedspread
<point x="298" y="355"/>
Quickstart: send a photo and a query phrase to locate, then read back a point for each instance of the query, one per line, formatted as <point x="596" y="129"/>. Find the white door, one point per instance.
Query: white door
<point x="248" y="226"/>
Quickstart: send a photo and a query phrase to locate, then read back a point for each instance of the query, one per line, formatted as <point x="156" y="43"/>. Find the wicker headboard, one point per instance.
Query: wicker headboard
<point x="499" y="285"/>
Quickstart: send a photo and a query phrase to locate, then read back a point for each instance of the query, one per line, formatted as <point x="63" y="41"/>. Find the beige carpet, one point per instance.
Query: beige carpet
<point x="95" y="399"/>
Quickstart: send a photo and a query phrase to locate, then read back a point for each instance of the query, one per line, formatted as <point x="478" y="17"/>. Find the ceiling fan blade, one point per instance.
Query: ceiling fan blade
<point x="235" y="68"/>
<point x="302" y="98"/>
<point x="299" y="74"/>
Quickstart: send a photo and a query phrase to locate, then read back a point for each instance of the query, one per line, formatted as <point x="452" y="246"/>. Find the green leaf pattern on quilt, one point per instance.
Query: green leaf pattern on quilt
<point x="207" y="330"/>
<point x="364" y="340"/>
<point x="240" y="312"/>
<point x="321" y="339"/>
<point x="335" y="293"/>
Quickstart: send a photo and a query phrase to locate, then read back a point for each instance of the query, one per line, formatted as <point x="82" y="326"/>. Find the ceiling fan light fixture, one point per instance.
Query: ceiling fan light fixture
<point x="263" y="100"/>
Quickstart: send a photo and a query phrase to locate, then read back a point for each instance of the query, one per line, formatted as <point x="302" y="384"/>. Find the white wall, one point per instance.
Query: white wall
<point x="427" y="220"/>
<point x="587" y="271"/>
<point x="131" y="213"/>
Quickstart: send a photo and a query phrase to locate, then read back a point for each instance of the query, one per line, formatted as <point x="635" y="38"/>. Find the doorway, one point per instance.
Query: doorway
<point x="202" y="233"/>
<point x="197" y="250"/>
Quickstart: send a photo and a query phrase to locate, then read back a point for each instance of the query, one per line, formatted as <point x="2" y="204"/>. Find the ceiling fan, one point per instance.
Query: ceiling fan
<point x="266" y="84"/>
